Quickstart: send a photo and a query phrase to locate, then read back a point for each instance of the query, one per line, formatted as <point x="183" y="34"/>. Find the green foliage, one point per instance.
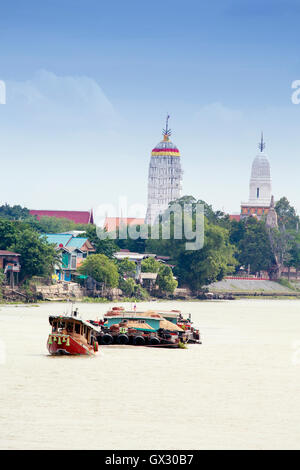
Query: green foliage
<point x="37" y="256"/>
<point x="55" y="225"/>
<point x="136" y="246"/>
<point x="126" y="267"/>
<point x="215" y="217"/>
<point x="150" y="265"/>
<point x="254" y="247"/>
<point x="105" y="246"/>
<point x="215" y="260"/>
<point x="127" y="286"/>
<point x="287" y="217"/>
<point x="165" y="280"/>
<point x="196" y="268"/>
<point x="285" y="283"/>
<point x="294" y="251"/>
<point x="100" y="268"/>
<point x="94" y="300"/>
<point x="8" y="233"/>
<point x="14" y="212"/>
<point x="141" y="293"/>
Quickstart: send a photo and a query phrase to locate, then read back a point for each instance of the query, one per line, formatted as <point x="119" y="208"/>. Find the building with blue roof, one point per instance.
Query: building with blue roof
<point x="73" y="251"/>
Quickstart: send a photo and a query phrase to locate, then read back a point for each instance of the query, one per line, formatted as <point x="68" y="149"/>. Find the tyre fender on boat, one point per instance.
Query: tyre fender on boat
<point x="139" y="340"/>
<point x="154" y="340"/>
<point x="107" y="338"/>
<point x="123" y="339"/>
<point x="95" y="346"/>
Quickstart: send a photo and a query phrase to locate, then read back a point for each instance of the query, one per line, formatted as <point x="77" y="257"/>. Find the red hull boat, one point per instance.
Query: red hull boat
<point x="72" y="336"/>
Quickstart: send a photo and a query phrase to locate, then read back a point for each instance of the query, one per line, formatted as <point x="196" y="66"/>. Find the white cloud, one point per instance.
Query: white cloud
<point x="218" y="112"/>
<point x="48" y="99"/>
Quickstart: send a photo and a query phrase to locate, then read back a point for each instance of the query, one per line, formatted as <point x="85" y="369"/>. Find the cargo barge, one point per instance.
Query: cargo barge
<point x="148" y="328"/>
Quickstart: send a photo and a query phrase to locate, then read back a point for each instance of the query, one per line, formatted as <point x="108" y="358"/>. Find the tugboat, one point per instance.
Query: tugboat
<point x="71" y="335"/>
<point x="175" y="316"/>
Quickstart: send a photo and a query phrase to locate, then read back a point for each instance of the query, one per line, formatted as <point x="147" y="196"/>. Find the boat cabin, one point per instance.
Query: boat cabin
<point x="75" y="327"/>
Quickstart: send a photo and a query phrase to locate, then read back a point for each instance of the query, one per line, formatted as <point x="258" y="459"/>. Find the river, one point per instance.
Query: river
<point x="240" y="389"/>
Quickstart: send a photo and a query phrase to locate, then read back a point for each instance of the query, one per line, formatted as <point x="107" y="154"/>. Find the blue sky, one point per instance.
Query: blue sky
<point x="89" y="85"/>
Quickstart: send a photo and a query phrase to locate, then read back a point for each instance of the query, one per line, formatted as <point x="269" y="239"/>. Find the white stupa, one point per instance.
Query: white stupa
<point x="260" y="188"/>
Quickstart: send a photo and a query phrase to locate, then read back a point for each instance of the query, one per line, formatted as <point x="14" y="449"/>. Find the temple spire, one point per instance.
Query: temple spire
<point x="262" y="144"/>
<point x="167" y="132"/>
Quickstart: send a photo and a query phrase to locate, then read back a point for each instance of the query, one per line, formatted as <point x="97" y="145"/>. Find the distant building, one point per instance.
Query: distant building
<point x="236" y="217"/>
<point x="164" y="178"/>
<point x="260" y="186"/>
<point x="10" y="264"/>
<point x="113" y="223"/>
<point x="79" y="217"/>
<point x="73" y="251"/>
<point x="137" y="258"/>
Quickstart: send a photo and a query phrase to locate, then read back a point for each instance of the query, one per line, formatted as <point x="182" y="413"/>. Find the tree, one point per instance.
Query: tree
<point x="8" y="233"/>
<point x="100" y="268"/>
<point x="150" y="265"/>
<point x="165" y="280"/>
<point x="215" y="217"/>
<point x="255" y="248"/>
<point x="48" y="224"/>
<point x="136" y="246"/>
<point x="126" y="267"/>
<point x="287" y="217"/>
<point x="37" y="256"/>
<point x="14" y="212"/>
<point x="215" y="260"/>
<point x="197" y="268"/>
<point x="127" y="286"/>
<point x="105" y="246"/>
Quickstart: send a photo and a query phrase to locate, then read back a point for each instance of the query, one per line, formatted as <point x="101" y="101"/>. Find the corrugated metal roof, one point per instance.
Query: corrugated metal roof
<point x="77" y="242"/>
<point x="152" y="276"/>
<point x="58" y="238"/>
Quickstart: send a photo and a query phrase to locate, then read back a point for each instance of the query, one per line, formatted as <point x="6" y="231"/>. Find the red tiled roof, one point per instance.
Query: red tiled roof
<point x="112" y="223"/>
<point x="79" y="217"/>
<point x="236" y="217"/>
<point x="8" y="253"/>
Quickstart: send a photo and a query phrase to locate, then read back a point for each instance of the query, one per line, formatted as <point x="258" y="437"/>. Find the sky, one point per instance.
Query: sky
<point x="89" y="85"/>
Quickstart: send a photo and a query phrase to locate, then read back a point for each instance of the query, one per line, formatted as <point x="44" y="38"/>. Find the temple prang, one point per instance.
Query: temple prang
<point x="164" y="177"/>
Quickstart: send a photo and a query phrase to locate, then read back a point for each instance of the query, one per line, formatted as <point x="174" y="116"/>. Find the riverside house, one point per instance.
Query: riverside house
<point x="10" y="264"/>
<point x="73" y="251"/>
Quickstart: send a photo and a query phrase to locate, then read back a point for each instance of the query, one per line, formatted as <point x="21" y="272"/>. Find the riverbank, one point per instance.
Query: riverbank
<point x="253" y="288"/>
<point x="227" y="289"/>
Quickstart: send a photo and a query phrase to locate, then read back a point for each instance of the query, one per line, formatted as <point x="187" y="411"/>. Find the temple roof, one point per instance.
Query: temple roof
<point x="165" y="148"/>
<point x="79" y="217"/>
<point x="261" y="167"/>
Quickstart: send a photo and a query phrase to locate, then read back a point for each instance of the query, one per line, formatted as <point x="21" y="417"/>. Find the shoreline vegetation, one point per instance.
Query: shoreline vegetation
<point x="216" y="296"/>
<point x="236" y="260"/>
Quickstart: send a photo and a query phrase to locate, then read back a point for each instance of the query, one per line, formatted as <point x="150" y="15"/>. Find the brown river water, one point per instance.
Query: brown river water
<point x="240" y="389"/>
